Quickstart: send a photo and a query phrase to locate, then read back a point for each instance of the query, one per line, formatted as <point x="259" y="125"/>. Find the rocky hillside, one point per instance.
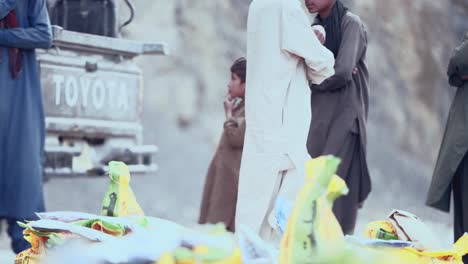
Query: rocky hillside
<point x="408" y="56"/>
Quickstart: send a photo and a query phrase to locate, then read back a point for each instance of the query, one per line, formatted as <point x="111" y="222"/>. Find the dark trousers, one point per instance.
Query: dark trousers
<point x="460" y="200"/>
<point x="15" y="232"/>
<point x="346" y="207"/>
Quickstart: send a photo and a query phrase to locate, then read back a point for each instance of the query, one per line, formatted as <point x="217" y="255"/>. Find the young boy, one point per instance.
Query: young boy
<point x="340" y="106"/>
<point x="220" y="192"/>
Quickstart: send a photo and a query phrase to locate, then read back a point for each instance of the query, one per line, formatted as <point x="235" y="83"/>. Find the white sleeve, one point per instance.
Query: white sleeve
<point x="298" y="39"/>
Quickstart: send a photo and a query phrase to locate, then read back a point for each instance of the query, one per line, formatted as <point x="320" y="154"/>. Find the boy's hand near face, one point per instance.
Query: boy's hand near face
<point x="228" y="106"/>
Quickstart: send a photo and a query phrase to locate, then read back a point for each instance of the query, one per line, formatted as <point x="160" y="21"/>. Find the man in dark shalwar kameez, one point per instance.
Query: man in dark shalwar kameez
<point x="451" y="170"/>
<point x="340" y="106"/>
<point x="24" y="26"/>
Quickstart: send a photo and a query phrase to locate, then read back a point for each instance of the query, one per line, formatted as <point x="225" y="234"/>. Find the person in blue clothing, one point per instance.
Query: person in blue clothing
<point x="24" y="26"/>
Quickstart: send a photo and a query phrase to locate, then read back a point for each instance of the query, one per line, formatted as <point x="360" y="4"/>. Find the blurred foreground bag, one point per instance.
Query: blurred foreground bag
<point x="411" y="228"/>
<point x="28" y="257"/>
<point x="403" y="227"/>
<point x="44" y="235"/>
<point x="119" y="199"/>
<point x="381" y="230"/>
<point x="313" y="227"/>
<point x="414" y="256"/>
<point x="34" y="254"/>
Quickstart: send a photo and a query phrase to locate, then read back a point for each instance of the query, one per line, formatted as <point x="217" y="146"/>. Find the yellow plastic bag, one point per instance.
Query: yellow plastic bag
<point x="459" y="249"/>
<point x="217" y="253"/>
<point x="313" y="228"/>
<point x="408" y="227"/>
<point x="381" y="230"/>
<point x="103" y="226"/>
<point x="205" y="255"/>
<point x="34" y="254"/>
<point x="414" y="256"/>
<point x="119" y="199"/>
<point x="356" y="254"/>
<point x="206" y="244"/>
<point x="28" y="256"/>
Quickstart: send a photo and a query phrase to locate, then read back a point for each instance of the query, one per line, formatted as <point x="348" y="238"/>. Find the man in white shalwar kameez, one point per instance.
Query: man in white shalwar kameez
<point x="283" y="54"/>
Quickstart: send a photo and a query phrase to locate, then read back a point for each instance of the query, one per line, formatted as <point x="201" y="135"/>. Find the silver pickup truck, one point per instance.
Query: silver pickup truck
<point x="93" y="95"/>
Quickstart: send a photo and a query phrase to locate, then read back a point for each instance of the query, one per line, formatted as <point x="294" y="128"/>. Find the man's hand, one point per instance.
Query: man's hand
<point x="361" y="205"/>
<point x="320" y="33"/>
<point x="228" y="106"/>
<point x="465" y="77"/>
<point x="355" y="70"/>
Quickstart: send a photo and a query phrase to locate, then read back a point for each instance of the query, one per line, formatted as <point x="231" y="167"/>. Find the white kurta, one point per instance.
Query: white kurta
<point x="283" y="53"/>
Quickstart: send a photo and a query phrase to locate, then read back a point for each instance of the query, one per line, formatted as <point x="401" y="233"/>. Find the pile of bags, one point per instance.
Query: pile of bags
<point x="123" y="234"/>
<point x="422" y="246"/>
<point x="314" y="236"/>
